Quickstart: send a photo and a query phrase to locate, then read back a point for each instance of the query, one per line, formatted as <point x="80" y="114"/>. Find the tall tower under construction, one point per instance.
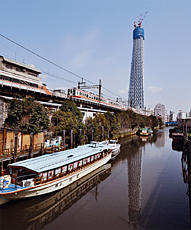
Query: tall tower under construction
<point x="136" y="91"/>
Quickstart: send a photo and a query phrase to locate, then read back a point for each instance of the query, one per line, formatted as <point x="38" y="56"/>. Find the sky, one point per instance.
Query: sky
<point x="93" y="40"/>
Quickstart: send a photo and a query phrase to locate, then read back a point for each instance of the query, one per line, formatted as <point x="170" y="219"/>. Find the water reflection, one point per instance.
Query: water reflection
<point x="177" y="147"/>
<point x="185" y="170"/>
<point x="135" y="161"/>
<point x="160" y="140"/>
<point x="34" y="213"/>
<point x="186" y="174"/>
<point x="133" y="149"/>
<point x="134" y="178"/>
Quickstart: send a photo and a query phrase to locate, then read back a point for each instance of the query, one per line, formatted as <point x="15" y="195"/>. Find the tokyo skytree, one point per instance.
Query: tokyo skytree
<point x="136" y="91"/>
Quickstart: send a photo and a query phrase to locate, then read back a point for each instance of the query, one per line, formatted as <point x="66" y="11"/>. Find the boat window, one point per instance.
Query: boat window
<point x="84" y="161"/>
<point x="75" y="165"/>
<point x="70" y="156"/>
<point x="57" y="171"/>
<point x="88" y="160"/>
<point x="80" y="163"/>
<point x="64" y="169"/>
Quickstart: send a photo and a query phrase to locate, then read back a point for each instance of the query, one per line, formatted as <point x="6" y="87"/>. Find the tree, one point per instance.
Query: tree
<point x="27" y="115"/>
<point x="114" y="123"/>
<point x="70" y="106"/>
<point x="153" y="121"/>
<point x="68" y="118"/>
<point x="92" y="129"/>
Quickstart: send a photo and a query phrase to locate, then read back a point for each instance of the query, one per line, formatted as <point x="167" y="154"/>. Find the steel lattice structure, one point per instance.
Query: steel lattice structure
<point x="136" y="92"/>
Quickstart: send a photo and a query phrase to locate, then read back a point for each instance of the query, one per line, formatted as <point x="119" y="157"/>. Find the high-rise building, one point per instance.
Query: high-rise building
<point x="161" y="111"/>
<point x="136" y="91"/>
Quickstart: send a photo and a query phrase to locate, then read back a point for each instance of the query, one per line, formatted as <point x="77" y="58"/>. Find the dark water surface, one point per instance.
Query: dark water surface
<point x="142" y="189"/>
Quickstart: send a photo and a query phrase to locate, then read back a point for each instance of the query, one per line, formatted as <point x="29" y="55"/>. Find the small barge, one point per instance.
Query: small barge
<point x="178" y="137"/>
<point x="115" y="148"/>
<point x="51" y="172"/>
<point x="145" y="132"/>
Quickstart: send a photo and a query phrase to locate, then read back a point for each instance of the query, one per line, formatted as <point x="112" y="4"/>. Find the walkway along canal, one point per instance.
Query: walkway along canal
<point x="143" y="188"/>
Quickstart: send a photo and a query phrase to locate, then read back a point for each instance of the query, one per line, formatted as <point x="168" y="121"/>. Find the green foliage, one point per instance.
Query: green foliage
<point x="70" y="106"/>
<point x="92" y="129"/>
<point x="153" y="121"/>
<point x="102" y="125"/>
<point x="66" y="118"/>
<point x="114" y="123"/>
<point x="27" y="115"/>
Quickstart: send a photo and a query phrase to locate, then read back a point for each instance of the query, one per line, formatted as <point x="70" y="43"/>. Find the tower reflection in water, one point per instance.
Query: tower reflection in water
<point x="134" y="178"/>
<point x="37" y="212"/>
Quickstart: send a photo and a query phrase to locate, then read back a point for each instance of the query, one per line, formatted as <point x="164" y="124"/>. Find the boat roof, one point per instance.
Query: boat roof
<point x="55" y="160"/>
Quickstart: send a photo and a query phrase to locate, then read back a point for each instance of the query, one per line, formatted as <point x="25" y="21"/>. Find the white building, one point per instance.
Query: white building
<point x="189" y="114"/>
<point x="172" y="116"/>
<point x="181" y="115"/>
<point x="161" y="111"/>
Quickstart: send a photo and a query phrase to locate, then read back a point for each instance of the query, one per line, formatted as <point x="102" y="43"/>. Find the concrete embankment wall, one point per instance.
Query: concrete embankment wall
<point x="126" y="133"/>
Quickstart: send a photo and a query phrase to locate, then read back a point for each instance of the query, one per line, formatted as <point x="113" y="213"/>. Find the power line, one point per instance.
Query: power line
<point x="59" y="77"/>
<point x="45" y="59"/>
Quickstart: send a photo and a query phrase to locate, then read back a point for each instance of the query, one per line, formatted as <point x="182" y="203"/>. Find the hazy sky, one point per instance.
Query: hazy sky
<point x="94" y="40"/>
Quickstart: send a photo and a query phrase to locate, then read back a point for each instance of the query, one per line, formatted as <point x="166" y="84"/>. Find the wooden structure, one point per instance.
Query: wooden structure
<point x="27" y="146"/>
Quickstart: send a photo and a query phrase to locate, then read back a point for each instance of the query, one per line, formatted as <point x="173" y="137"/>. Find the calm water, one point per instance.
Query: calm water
<point x="142" y="189"/>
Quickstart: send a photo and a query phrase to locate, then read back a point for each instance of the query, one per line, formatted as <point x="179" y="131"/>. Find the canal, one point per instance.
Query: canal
<point x="143" y="188"/>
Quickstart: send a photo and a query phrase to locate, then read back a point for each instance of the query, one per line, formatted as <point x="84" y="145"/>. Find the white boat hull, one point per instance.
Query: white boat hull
<point x="53" y="185"/>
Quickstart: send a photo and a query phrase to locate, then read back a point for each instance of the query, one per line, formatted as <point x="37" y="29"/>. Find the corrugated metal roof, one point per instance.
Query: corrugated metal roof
<point x="58" y="159"/>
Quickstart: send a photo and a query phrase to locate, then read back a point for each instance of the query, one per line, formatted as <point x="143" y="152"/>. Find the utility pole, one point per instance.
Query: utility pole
<point x="99" y="90"/>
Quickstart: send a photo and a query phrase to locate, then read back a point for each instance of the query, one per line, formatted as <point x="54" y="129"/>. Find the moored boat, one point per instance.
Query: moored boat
<point x="115" y="147"/>
<point x="178" y="137"/>
<point x="150" y="131"/>
<point x="51" y="172"/>
<point x="145" y="131"/>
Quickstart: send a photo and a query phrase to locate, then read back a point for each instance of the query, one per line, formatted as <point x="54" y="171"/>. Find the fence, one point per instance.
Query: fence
<point x="23" y="141"/>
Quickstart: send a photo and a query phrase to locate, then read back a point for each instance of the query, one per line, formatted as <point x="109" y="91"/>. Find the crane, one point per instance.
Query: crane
<point x="135" y="23"/>
<point x="141" y="19"/>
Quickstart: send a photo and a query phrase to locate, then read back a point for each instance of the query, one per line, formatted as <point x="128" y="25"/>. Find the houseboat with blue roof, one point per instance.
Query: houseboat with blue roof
<point x="51" y="172"/>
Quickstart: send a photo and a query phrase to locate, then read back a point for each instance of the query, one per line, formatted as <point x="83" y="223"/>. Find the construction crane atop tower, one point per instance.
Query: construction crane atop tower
<point x="135" y="23"/>
<point x="140" y="21"/>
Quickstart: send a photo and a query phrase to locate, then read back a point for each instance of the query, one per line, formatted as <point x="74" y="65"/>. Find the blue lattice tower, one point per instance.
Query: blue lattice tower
<point x="136" y="91"/>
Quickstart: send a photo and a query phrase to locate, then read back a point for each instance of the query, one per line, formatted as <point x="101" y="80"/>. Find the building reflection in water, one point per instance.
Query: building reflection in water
<point x="37" y="212"/>
<point x="134" y="178"/>
<point x="160" y="141"/>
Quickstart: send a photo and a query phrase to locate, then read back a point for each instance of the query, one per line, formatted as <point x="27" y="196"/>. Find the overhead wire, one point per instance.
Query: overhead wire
<point x="53" y="75"/>
<point x="47" y="60"/>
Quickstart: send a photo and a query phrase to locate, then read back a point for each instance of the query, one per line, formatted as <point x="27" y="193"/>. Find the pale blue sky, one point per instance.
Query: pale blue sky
<point x="93" y="39"/>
